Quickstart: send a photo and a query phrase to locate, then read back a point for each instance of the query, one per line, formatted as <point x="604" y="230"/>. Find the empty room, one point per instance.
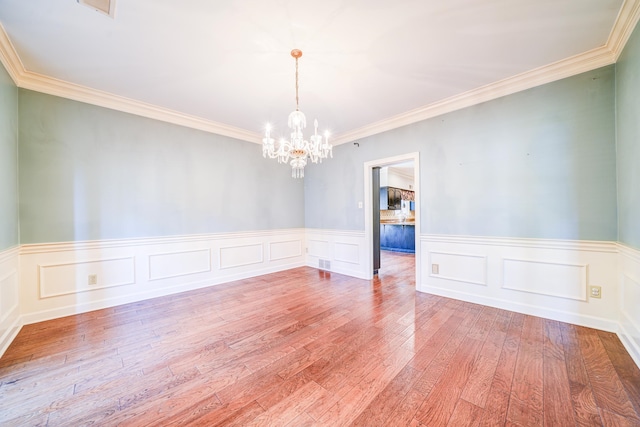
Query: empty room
<point x="340" y="213"/>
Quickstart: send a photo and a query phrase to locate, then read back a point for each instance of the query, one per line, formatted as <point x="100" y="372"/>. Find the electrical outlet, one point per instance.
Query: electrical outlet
<point x="596" y="291"/>
<point x="435" y="268"/>
<point x="93" y="279"/>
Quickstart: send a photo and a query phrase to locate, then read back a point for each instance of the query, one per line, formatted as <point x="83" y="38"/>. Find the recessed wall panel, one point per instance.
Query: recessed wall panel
<point x="286" y="249"/>
<point x="174" y="264"/>
<point x="237" y="256"/>
<point x="546" y="278"/>
<point x="347" y="252"/>
<point x="460" y="267"/>
<point x="73" y="277"/>
<point x="319" y="248"/>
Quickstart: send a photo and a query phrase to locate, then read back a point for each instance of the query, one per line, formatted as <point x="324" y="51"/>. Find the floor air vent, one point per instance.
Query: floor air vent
<point x="324" y="264"/>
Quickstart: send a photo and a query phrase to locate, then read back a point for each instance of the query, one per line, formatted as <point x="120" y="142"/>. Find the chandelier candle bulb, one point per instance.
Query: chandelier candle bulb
<point x="297" y="149"/>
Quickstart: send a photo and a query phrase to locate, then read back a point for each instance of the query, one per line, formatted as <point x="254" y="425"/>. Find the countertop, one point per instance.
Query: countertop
<point x="397" y="223"/>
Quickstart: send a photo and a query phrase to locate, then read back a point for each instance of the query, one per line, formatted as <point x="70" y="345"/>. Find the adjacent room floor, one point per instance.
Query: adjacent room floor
<point x="304" y="347"/>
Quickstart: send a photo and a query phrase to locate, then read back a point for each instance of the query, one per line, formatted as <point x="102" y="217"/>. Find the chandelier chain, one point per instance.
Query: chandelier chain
<point x="297" y="103"/>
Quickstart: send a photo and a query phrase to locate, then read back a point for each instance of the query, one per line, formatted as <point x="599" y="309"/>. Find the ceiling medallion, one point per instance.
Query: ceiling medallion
<point x="297" y="150"/>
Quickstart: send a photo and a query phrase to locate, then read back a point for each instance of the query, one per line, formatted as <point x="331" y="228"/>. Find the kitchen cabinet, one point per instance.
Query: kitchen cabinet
<point x="400" y="237"/>
<point x="390" y="198"/>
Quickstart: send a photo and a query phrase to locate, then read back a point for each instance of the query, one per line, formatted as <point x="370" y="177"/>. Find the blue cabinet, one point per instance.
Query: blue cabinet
<point x="398" y="237"/>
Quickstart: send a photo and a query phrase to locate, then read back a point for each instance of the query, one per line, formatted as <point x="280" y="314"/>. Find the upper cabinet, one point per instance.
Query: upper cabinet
<point x="394" y="177"/>
<point x="390" y="198"/>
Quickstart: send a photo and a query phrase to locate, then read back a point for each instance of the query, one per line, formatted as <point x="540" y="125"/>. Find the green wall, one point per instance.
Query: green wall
<point x="9" y="226"/>
<point x="539" y="163"/>
<point x="628" y="141"/>
<point x="87" y="172"/>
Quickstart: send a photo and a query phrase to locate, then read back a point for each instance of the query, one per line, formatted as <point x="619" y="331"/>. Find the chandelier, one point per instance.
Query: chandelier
<point x="297" y="150"/>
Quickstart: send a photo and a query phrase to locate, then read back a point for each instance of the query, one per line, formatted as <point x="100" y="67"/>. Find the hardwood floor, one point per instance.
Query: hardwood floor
<point x="303" y="348"/>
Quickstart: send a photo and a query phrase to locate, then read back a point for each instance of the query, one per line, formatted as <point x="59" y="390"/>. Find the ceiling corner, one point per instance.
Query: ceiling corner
<point x="626" y="22"/>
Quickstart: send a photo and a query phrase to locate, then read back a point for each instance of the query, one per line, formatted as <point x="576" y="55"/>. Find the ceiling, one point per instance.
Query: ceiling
<point x="365" y="63"/>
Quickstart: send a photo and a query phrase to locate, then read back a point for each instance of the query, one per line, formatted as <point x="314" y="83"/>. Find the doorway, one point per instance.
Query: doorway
<point x="409" y="165"/>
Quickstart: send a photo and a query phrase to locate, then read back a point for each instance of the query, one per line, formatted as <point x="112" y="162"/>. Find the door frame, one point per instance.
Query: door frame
<point x="368" y="208"/>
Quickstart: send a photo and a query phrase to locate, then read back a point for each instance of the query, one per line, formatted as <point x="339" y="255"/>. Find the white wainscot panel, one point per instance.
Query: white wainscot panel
<point x="238" y="256"/>
<point x="8" y="295"/>
<point x="347" y="252"/>
<point x="468" y="268"/>
<point x="319" y="248"/>
<point x="546" y="278"/>
<point x="175" y="264"/>
<point x="630" y="299"/>
<point x="73" y="277"/>
<point x="285" y="249"/>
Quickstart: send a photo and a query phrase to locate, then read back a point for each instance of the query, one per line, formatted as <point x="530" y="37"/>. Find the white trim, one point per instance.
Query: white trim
<point x="9" y="254"/>
<point x="4" y="316"/>
<point x="10" y="321"/>
<point x="573" y="245"/>
<point x="532" y="310"/>
<point x="629" y="271"/>
<point x="26" y="79"/>
<point x="368" y="207"/>
<point x="572" y="66"/>
<point x="629" y="265"/>
<point x="36" y="248"/>
<point x="599" y="57"/>
<point x="629" y="252"/>
<point x="10" y="334"/>
<point x="623" y="27"/>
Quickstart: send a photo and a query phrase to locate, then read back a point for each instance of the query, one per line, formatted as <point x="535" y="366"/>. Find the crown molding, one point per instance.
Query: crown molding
<point x="623" y="27"/>
<point x="568" y="67"/>
<point x="40" y="83"/>
<point x="9" y="57"/>
<point x="608" y="54"/>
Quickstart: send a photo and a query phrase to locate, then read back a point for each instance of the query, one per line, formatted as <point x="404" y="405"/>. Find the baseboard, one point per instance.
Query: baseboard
<point x="531" y="310"/>
<point x="10" y="320"/>
<point x="11" y="332"/>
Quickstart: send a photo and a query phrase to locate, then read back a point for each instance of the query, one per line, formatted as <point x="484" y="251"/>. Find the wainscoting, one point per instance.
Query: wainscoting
<point x="629" y="279"/>
<point x="10" y="320"/>
<point x="546" y="278"/>
<point x="61" y="279"/>
<point x="345" y="251"/>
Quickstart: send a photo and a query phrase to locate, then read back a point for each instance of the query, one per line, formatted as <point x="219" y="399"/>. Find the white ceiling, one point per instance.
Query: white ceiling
<point x="364" y="60"/>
